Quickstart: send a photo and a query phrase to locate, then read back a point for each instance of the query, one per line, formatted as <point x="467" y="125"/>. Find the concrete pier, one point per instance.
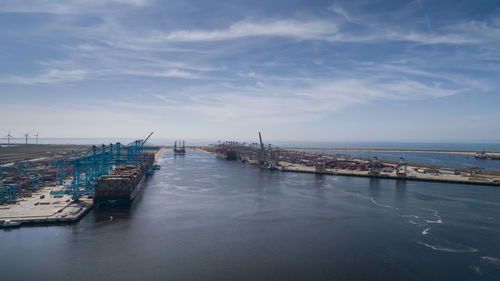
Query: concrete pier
<point x="412" y="175"/>
<point x="43" y="208"/>
<point x="30" y="173"/>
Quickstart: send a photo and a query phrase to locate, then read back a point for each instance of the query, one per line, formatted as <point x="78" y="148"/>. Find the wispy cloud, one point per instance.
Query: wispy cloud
<point x="271" y="67"/>
<point x="52" y="76"/>
<point x="323" y="30"/>
<point x="281" y="104"/>
<point x="278" y="28"/>
<point x="175" y="73"/>
<point x="337" y="9"/>
<point x="63" y="7"/>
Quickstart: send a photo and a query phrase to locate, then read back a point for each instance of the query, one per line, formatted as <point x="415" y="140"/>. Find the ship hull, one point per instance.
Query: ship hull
<point x="120" y="199"/>
<point x="227" y="155"/>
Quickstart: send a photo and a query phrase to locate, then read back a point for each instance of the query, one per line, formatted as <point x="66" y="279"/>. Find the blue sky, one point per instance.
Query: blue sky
<point x="295" y="70"/>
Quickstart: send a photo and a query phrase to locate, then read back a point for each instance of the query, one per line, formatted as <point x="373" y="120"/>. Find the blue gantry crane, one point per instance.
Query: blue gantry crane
<point x="96" y="162"/>
<point x="8" y="193"/>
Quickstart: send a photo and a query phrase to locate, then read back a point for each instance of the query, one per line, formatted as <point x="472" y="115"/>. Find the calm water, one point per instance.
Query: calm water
<point x="200" y="218"/>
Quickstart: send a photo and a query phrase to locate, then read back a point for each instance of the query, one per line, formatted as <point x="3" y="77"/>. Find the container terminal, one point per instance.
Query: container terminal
<point x="288" y="160"/>
<point x="59" y="184"/>
<point x="42" y="184"/>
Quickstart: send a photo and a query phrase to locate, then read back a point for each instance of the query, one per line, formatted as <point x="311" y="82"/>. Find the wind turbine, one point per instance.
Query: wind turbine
<point x="36" y="137"/>
<point x="8" y="138"/>
<point x="26" y="136"/>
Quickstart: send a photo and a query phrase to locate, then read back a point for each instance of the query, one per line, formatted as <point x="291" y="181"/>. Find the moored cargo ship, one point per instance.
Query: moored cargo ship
<point x="122" y="185"/>
<point x="226" y="154"/>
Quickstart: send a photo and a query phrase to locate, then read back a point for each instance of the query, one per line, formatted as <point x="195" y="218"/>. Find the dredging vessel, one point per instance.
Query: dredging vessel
<point x="178" y="149"/>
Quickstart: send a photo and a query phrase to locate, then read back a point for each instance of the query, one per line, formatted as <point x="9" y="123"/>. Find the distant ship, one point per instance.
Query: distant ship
<point x="10" y="224"/>
<point x="179" y="149"/>
<point x="486" y="156"/>
<point x="123" y="184"/>
<point x="268" y="165"/>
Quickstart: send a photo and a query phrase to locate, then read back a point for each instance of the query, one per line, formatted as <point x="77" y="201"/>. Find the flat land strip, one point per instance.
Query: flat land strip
<point x="19" y="152"/>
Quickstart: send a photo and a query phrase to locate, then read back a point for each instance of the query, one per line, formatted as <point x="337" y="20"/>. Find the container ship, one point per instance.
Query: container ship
<point x="122" y="185"/>
<point x="226" y="154"/>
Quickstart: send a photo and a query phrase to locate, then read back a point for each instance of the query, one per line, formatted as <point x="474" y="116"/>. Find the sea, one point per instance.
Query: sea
<point x="202" y="218"/>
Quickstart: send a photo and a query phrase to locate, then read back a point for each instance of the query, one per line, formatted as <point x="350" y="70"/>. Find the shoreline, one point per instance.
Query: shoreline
<point x="42" y="207"/>
<point x="444" y="151"/>
<point x="351" y="174"/>
<point x="457" y="175"/>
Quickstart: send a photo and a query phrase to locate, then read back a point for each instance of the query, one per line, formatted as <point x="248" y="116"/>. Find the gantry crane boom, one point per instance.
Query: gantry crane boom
<point x="144" y="141"/>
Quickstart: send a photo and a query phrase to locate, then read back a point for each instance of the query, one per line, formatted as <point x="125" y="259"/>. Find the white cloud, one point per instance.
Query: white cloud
<point x="432" y="39"/>
<point x="174" y="73"/>
<point x="52" y="76"/>
<point x="324" y="30"/>
<point x="337" y="9"/>
<point x="288" y="103"/>
<point x="478" y="28"/>
<point x="63" y="7"/>
<point x="315" y="29"/>
<point x="248" y="71"/>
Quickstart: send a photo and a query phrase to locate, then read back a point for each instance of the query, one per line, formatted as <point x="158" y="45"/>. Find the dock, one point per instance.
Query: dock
<point x="412" y="175"/>
<point x="61" y="186"/>
<point x="271" y="157"/>
<point x="44" y="208"/>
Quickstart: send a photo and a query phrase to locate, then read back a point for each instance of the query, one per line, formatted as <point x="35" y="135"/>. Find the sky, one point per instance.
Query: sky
<point x="299" y="70"/>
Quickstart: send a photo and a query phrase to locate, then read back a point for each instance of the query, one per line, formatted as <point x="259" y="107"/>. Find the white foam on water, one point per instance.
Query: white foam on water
<point x="192" y="189"/>
<point x="382" y="205"/>
<point x="492" y="260"/>
<point x="439" y="221"/>
<point x="416" y="223"/>
<point x="411" y="216"/>
<point x="436" y="214"/>
<point x="350" y="193"/>
<point x="422" y="221"/>
<point x="426" y="231"/>
<point x="476" y="269"/>
<point x="414" y="220"/>
<point x="444" y="249"/>
<point x="219" y="176"/>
